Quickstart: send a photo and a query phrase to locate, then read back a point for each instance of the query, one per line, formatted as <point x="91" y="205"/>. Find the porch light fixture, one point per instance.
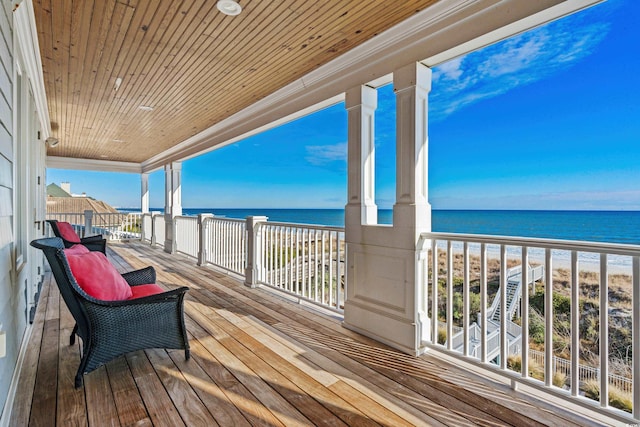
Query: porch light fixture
<point x="229" y="7"/>
<point x="52" y="142"/>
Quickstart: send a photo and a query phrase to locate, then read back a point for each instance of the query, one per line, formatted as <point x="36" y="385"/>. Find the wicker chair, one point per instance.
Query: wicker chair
<point x="93" y="243"/>
<point x="109" y="329"/>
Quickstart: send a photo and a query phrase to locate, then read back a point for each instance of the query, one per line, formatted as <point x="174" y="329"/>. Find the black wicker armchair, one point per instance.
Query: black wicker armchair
<point x="93" y="243"/>
<point x="109" y="329"/>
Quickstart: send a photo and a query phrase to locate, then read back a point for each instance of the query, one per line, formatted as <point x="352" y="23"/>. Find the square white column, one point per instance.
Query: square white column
<point x="361" y="209"/>
<point x="386" y="265"/>
<point x="144" y="192"/>
<point x="412" y="85"/>
<point x="172" y="202"/>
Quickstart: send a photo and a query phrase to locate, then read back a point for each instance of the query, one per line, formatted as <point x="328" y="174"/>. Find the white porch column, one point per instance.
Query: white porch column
<point x="144" y="193"/>
<point x="88" y="223"/>
<point x="254" y="251"/>
<point x="361" y="103"/>
<point x="412" y="85"/>
<point x="203" y="247"/>
<point x="386" y="270"/>
<point x="172" y="202"/>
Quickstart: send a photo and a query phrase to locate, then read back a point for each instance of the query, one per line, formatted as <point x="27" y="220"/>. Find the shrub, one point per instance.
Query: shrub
<point x="617" y="398"/>
<point x="559" y="379"/>
<point x="514" y="362"/>
<point x="561" y="303"/>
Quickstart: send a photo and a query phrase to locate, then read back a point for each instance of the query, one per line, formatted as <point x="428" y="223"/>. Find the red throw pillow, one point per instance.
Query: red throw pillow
<point x="145" y="290"/>
<point x="68" y="233"/>
<point x="76" y="250"/>
<point x="98" y="278"/>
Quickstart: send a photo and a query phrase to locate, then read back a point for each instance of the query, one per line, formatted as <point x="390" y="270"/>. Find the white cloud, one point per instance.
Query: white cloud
<point x="449" y="70"/>
<point x="320" y="155"/>
<point x="520" y="60"/>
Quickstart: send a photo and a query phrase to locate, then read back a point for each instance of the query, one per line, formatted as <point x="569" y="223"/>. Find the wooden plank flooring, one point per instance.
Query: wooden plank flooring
<point x="257" y="360"/>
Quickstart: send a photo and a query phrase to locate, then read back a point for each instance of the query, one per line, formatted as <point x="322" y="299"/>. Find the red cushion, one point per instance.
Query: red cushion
<point x="68" y="233"/>
<point x="76" y="250"/>
<point x="145" y="290"/>
<point x="98" y="278"/>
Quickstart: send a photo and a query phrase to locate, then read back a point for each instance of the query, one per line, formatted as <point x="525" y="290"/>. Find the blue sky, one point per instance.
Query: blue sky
<point x="549" y="119"/>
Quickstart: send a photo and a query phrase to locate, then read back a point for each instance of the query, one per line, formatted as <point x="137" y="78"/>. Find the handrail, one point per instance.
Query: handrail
<point x="567" y="245"/>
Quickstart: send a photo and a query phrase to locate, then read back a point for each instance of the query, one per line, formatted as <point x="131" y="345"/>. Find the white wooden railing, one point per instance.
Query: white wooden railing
<point x="463" y="265"/>
<point x="303" y="260"/>
<point x="158" y="227"/>
<point x="187" y="232"/>
<point x="147" y="227"/>
<point x="308" y="262"/>
<point x="112" y="226"/>
<point x="225" y="243"/>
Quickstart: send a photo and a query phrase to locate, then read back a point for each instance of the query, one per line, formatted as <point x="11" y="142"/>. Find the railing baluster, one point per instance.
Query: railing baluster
<point x="635" y="273"/>
<point x="296" y="265"/>
<point x="322" y="281"/>
<point x="338" y="276"/>
<point x="504" y="344"/>
<point x="449" y="314"/>
<point x="309" y="260"/>
<point x="465" y="297"/>
<point x="604" y="332"/>
<point x="434" y="292"/>
<point x="289" y="252"/>
<point x="304" y="258"/>
<point x="483" y="302"/>
<point x="548" y="319"/>
<point x="524" y="317"/>
<point x="282" y="264"/>
<point x="575" y="324"/>
<point x="315" y="266"/>
<point x="331" y="270"/>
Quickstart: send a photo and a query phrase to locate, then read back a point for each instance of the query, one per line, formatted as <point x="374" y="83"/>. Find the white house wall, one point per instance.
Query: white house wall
<point x="12" y="301"/>
<point x="22" y="184"/>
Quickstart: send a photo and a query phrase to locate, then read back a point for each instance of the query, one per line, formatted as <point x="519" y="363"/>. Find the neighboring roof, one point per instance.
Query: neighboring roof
<point x="54" y="190"/>
<point x="77" y="205"/>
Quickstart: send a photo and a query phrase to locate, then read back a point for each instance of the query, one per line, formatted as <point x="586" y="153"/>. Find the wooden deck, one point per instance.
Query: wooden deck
<point x="257" y="359"/>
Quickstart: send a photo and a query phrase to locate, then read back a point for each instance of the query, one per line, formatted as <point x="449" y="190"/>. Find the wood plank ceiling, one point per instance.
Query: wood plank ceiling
<point x="105" y="59"/>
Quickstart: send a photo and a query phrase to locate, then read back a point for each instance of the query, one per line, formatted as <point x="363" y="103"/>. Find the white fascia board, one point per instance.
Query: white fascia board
<point x="57" y="162"/>
<point x="553" y="13"/>
<point x="27" y="41"/>
<point x="447" y="29"/>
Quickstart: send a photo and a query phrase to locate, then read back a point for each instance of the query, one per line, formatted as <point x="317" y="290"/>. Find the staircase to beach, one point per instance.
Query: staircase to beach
<point x="514" y="332"/>
<point x="513" y="298"/>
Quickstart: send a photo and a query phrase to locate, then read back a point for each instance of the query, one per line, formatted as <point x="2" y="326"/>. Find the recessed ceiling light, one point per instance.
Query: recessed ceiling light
<point x="117" y="84"/>
<point x="229" y="7"/>
<point x="104" y="156"/>
<point x="118" y="140"/>
<point x="145" y="108"/>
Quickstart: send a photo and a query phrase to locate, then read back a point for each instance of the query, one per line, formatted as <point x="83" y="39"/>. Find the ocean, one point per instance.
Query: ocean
<point x="595" y="226"/>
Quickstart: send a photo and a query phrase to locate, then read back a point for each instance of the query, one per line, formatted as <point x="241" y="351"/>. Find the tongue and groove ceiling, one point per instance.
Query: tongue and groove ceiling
<point x="106" y="61"/>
